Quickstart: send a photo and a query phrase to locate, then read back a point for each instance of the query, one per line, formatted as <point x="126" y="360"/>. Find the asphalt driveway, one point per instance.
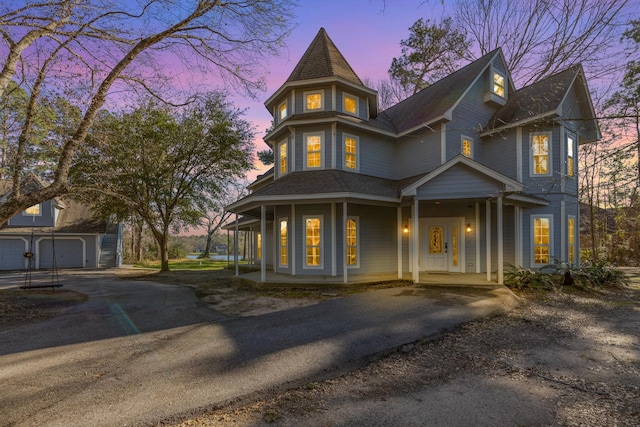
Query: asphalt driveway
<point x="140" y="352"/>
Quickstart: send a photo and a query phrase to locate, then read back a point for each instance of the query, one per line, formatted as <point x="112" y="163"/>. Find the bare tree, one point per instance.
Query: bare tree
<point x="213" y="214"/>
<point x="89" y="51"/>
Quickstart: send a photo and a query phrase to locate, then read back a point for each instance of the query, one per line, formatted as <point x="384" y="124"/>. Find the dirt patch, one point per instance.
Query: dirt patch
<point x="21" y="307"/>
<point x="559" y="359"/>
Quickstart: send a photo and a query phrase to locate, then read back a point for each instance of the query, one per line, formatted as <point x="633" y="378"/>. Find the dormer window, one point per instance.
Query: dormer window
<point x="32" y="211"/>
<point x="350" y="104"/>
<point x="282" y="111"/>
<point x="313" y="101"/>
<point x="465" y="149"/>
<point x="498" y="84"/>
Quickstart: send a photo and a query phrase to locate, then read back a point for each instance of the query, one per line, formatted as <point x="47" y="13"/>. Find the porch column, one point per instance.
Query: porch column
<point x="263" y="231"/>
<point x="399" y="229"/>
<point x="478" y="269"/>
<point x="414" y="241"/>
<point x="500" y="241"/>
<point x="518" y="236"/>
<point x="488" y="238"/>
<point x="293" y="240"/>
<point x="334" y="248"/>
<point x="345" y="272"/>
<point x="235" y="247"/>
<point x="228" y="244"/>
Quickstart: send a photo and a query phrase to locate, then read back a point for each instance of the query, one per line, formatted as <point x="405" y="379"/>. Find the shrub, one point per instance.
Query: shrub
<point x="177" y="251"/>
<point x="524" y="278"/>
<point x="591" y="275"/>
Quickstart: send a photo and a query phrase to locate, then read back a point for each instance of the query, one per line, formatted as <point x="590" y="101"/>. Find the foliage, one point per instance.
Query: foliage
<point x="177" y="251"/>
<point x="164" y="164"/>
<point x="524" y="278"/>
<point x="591" y="275"/>
<point x="266" y="157"/>
<point x="431" y="52"/>
<point x="187" y="264"/>
<point x="96" y="51"/>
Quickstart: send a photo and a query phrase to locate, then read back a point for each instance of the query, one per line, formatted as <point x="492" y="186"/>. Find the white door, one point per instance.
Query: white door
<point x="441" y="244"/>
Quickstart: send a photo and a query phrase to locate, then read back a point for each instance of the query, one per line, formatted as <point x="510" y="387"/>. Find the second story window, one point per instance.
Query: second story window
<point x="466" y="146"/>
<point x="350" y="104"/>
<point x="33" y="210"/>
<point x="540" y="154"/>
<point x="282" y="158"/>
<point x="350" y="152"/>
<point x="313" y="150"/>
<point x="282" y="111"/>
<point x="571" y="164"/>
<point x="498" y="84"/>
<point x="313" y="101"/>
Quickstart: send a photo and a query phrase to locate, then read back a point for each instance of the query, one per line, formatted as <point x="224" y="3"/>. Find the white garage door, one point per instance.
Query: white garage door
<point x="69" y="253"/>
<point x="12" y="254"/>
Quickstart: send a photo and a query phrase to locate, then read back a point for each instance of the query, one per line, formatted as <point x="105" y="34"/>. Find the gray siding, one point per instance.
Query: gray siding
<point x="300" y="149"/>
<point x="459" y="182"/>
<point x="499" y="152"/>
<point x="45" y="219"/>
<point x="418" y="154"/>
<point x="375" y="154"/>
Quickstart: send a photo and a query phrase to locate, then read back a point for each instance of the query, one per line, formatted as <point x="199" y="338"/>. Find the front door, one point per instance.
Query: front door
<point x="440" y="244"/>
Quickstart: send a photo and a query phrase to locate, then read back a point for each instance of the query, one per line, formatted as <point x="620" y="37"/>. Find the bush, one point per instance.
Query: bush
<point x="591" y="275"/>
<point x="524" y="278"/>
<point x="177" y="251"/>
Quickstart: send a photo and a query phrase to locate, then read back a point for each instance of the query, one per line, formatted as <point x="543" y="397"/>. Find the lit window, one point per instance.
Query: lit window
<point x="313" y="151"/>
<point x="282" y="111"/>
<point x="541" y="240"/>
<point x="258" y="246"/>
<point x="350" y="152"/>
<point x="570" y="156"/>
<point x="284" y="253"/>
<point x="352" y="241"/>
<point x="571" y="239"/>
<point x="466" y="146"/>
<point x="540" y="154"/>
<point x="350" y="104"/>
<point x="282" y="157"/>
<point x="313" y="101"/>
<point x="33" y="210"/>
<point x="313" y="241"/>
<point x="498" y="84"/>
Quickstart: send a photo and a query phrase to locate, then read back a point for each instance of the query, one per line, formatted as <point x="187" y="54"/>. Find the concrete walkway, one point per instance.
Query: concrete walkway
<point x="139" y="352"/>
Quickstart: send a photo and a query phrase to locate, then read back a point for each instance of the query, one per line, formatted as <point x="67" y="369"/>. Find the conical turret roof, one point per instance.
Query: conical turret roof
<point x="323" y="59"/>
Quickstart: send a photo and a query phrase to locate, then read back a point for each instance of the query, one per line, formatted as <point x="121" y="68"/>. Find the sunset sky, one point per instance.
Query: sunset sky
<point x="368" y="42"/>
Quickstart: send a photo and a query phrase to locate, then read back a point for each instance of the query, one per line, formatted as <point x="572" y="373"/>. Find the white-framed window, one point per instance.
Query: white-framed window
<point x="466" y="146"/>
<point x="498" y="86"/>
<point x="313" y="101"/>
<point x="34" y="210"/>
<point x="353" y="241"/>
<point x="571" y="155"/>
<point x="571" y="239"/>
<point x="283" y="111"/>
<point x="258" y="246"/>
<point x="313" y="241"/>
<point x="283" y="164"/>
<point x="283" y="242"/>
<point x="540" y="154"/>
<point x="351" y="152"/>
<point x="350" y="104"/>
<point x="541" y="232"/>
<point x="313" y="150"/>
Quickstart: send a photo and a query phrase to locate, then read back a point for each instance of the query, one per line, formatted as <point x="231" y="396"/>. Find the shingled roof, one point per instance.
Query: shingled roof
<point x="537" y="100"/>
<point x="323" y="59"/>
<point x="433" y="101"/>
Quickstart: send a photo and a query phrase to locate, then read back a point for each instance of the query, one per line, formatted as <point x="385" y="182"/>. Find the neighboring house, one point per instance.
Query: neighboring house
<point x="465" y="176"/>
<point x="60" y="226"/>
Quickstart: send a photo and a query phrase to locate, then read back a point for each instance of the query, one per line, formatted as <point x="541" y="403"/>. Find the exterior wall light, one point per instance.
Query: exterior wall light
<point x="468" y="227"/>
<point x="405" y="229"/>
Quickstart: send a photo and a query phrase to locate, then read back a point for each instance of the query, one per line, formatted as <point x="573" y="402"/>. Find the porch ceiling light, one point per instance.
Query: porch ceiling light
<point x="468" y="227"/>
<point x="405" y="229"/>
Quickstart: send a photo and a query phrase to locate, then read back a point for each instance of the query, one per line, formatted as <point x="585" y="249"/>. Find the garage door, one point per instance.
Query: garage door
<point x="12" y="254"/>
<point x="69" y="253"/>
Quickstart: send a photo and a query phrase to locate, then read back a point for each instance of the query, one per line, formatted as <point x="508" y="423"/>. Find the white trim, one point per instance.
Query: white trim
<point x="573" y="137"/>
<point x="344" y="152"/>
<point x="320" y="265"/>
<point x="279" y="239"/>
<point x="500" y="238"/>
<point x="340" y="120"/>
<point x="487" y="248"/>
<point x="333" y="145"/>
<point x="308" y="93"/>
<point x="520" y="123"/>
<point x="563" y="230"/>
<point x="311" y="197"/>
<point x="532" y="245"/>
<point x="285" y="143"/>
<point x="357" y="221"/>
<point x="443" y="143"/>
<point x="293" y="239"/>
<point x="345" y="269"/>
<point x="549" y="136"/>
<point x="399" y="239"/>
<point x="235" y="248"/>
<point x="305" y="135"/>
<point x="334" y="248"/>
<point x="477" y="235"/>
<point x="517" y="220"/>
<point x="519" y="153"/>
<point x="321" y="80"/>
<point x="287" y="112"/>
<point x="356" y="98"/>
<point x="263" y="235"/>
<point x="414" y="242"/>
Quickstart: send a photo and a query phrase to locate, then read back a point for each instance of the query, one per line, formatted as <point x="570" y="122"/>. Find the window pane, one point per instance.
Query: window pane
<point x="350" y="104"/>
<point x="541" y="240"/>
<point x="540" y="148"/>
<point x="435" y="240"/>
<point x="283" y="157"/>
<point x="312" y="230"/>
<point x="33" y="210"/>
<point x="350" y="149"/>
<point x="283" y="110"/>
<point x="284" y="254"/>
<point x="314" y="101"/>
<point x="570" y="155"/>
<point x="352" y="242"/>
<point x="498" y="84"/>
<point x="314" y="146"/>
<point x="466" y="147"/>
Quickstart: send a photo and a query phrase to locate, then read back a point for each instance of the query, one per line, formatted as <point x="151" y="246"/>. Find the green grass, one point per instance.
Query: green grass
<point x="187" y="264"/>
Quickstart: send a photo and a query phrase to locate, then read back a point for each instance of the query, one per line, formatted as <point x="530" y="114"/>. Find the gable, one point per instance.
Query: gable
<point x="576" y="110"/>
<point x="460" y="181"/>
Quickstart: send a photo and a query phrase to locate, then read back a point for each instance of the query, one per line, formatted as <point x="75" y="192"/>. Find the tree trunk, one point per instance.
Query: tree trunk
<point x="207" y="248"/>
<point x="163" y="243"/>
